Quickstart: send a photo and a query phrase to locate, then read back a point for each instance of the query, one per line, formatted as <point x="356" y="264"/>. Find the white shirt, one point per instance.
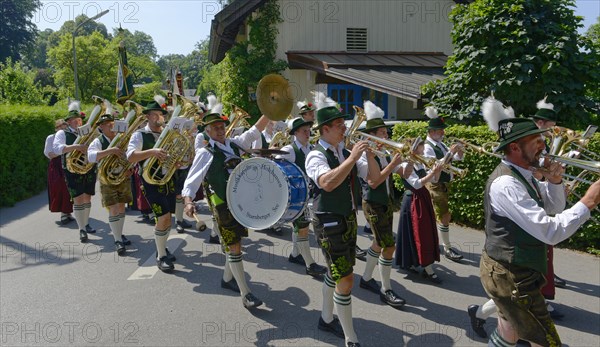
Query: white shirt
<point x="60" y="141"/>
<point x="199" y="141"/>
<point x="291" y="156"/>
<point x="316" y="162"/>
<point x="94" y="148"/>
<point x="414" y="180"/>
<point x="136" y="142"/>
<point x="48" y="146"/>
<point x="429" y="152"/>
<point x="509" y="198"/>
<point x="203" y="159"/>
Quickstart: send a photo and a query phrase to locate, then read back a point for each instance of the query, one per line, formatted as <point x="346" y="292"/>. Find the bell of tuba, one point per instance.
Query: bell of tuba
<point x="76" y="161"/>
<point x="239" y="118"/>
<point x="113" y="169"/>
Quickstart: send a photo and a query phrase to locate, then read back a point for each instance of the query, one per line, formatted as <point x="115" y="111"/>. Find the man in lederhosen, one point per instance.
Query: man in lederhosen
<point x="81" y="187"/>
<point x="435" y="148"/>
<point x="160" y="197"/>
<point x="335" y="172"/>
<point x="297" y="151"/>
<point x="114" y="197"/>
<point x="519" y="224"/>
<point x="213" y="163"/>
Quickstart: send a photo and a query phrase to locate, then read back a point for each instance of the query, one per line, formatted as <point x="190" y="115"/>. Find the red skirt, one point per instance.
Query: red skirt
<point x="548" y="291"/>
<point x="424" y="227"/>
<point x="140" y="200"/>
<point x="58" y="195"/>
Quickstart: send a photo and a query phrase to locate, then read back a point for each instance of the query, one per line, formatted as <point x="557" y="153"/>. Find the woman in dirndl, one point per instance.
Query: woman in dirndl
<point x="58" y="195"/>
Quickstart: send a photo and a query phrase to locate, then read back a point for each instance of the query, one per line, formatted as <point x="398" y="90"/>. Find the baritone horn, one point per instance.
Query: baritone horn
<point x="77" y="161"/>
<point x="239" y="118"/>
<point x="274" y="97"/>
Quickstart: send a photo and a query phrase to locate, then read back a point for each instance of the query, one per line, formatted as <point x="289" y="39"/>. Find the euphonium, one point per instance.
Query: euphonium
<point x="113" y="169"/>
<point x="76" y="161"/>
<point x="282" y="137"/>
<point x="176" y="144"/>
<point x="239" y="119"/>
<point x="187" y="109"/>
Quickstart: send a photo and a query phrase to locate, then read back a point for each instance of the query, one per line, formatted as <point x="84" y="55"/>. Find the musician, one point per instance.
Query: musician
<point x="307" y="110"/>
<point x="81" y="187"/>
<point x="297" y="152"/>
<point x="214" y="163"/>
<point x="335" y="172"/>
<point x="417" y="247"/>
<point x="114" y="197"/>
<point x="160" y="197"/>
<point x="435" y="148"/>
<point x="377" y="207"/>
<point x="58" y="194"/>
<point x="519" y="225"/>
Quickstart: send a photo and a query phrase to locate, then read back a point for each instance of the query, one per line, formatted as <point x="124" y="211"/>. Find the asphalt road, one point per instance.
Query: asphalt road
<point x="56" y="291"/>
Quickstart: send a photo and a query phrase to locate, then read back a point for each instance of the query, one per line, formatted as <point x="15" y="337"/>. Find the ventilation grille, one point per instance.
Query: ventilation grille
<point x="356" y="39"/>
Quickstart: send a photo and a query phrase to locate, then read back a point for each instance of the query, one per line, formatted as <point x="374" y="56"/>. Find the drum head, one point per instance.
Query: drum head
<point x="257" y="193"/>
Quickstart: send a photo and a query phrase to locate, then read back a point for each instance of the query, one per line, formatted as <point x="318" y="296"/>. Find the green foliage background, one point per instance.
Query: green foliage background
<point x="466" y="196"/>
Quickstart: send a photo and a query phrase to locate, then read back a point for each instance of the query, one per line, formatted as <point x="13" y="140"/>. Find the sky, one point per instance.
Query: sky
<point x="178" y="25"/>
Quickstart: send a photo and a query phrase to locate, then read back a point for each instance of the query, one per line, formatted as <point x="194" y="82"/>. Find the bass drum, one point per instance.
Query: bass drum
<point x="262" y="192"/>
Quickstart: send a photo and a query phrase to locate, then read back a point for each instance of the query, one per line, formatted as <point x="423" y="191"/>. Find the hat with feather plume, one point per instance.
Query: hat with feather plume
<point x="215" y="110"/>
<point x="545" y="111"/>
<point x="75" y="110"/>
<point x="159" y="104"/>
<point x="374" y="116"/>
<point x="327" y="110"/>
<point x="435" y="121"/>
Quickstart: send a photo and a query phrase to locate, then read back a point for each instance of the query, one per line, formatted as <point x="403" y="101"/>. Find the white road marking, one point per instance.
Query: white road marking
<point x="149" y="268"/>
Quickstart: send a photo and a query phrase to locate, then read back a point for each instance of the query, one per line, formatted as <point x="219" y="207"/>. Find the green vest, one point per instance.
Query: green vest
<point x="69" y="140"/>
<point x="338" y="201"/>
<point x="505" y="241"/>
<point x="444" y="176"/>
<point x="300" y="157"/>
<point x="218" y="174"/>
<point x="104" y="142"/>
<point x="378" y="195"/>
<point x="265" y="144"/>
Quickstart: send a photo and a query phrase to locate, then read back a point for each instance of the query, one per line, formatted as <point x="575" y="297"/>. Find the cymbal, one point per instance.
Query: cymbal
<point x="267" y="152"/>
<point x="274" y="97"/>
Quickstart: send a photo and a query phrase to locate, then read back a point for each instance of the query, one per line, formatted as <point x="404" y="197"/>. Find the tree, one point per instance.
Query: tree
<point x="17" y="85"/>
<point x="139" y="43"/>
<point x="593" y="87"/>
<point x="36" y="55"/>
<point x="96" y="65"/>
<point x="17" y="31"/>
<point x="86" y="29"/>
<point x="522" y="50"/>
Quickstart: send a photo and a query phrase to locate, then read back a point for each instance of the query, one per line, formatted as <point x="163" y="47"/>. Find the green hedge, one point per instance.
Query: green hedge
<point x="466" y="197"/>
<point x="23" y="166"/>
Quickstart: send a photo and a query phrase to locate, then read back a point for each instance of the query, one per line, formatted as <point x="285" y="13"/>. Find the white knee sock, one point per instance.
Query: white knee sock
<point x="79" y="214"/>
<point x="113" y="222"/>
<point x="227" y="274"/>
<point x="486" y="310"/>
<point x="343" y="306"/>
<point x="86" y="216"/>
<point x="161" y="237"/>
<point x="295" y="250"/>
<point x="237" y="268"/>
<point x="372" y="257"/>
<point x="121" y="222"/>
<point x="304" y="248"/>
<point x="328" y="289"/>
<point x="179" y="209"/>
<point x="444" y="234"/>
<point x="385" y="267"/>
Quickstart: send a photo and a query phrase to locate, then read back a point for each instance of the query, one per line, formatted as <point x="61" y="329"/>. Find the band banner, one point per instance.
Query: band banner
<point x="124" y="87"/>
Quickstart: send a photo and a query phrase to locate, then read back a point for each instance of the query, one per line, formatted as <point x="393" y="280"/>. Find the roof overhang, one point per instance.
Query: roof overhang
<point x="225" y="27"/>
<point x="394" y="73"/>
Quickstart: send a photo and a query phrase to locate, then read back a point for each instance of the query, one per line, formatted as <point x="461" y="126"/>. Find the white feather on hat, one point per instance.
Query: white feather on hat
<point x="159" y="99"/>
<point x="431" y="112"/>
<point x="214" y="106"/>
<point x="301" y="104"/>
<point x="201" y="106"/>
<point x="543" y="104"/>
<point x="322" y="101"/>
<point x="108" y="107"/>
<point x="373" y="111"/>
<point x="493" y="112"/>
<point x="75" y="105"/>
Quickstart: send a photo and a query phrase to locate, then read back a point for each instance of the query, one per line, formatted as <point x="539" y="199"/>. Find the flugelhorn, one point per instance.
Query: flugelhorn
<point x="76" y="161"/>
<point x="239" y="118"/>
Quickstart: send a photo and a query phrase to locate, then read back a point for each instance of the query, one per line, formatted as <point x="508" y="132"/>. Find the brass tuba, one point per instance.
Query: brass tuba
<point x="77" y="161"/>
<point x="239" y="118"/>
<point x="188" y="110"/>
<point x="177" y="145"/>
<point x="113" y="169"/>
<point x="282" y="137"/>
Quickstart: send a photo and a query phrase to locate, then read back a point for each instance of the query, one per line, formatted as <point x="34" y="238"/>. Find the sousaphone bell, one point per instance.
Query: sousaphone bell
<point x="274" y="97"/>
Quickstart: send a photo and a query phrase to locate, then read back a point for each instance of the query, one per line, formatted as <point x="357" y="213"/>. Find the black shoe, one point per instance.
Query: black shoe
<point x="185" y="224"/>
<point x="170" y="256"/>
<point x="125" y="240"/>
<point x="392" y="299"/>
<point x="179" y="228"/>
<point x="361" y="253"/>
<point x="276" y="230"/>
<point x="559" y="282"/>
<point x="83" y="238"/>
<point x="453" y="255"/>
<point x="555" y="314"/>
<point x="214" y="239"/>
<point x="66" y="219"/>
<point x="522" y="343"/>
<point x="89" y="229"/>
<point x="316" y="270"/>
<point x="476" y="323"/>
<point x="297" y="259"/>
<point x="231" y="285"/>
<point x="120" y="247"/>
<point x="250" y="301"/>
<point x="164" y="264"/>
<point x="433" y="278"/>
<point x="353" y="344"/>
<point x="333" y="327"/>
<point x="147" y="219"/>
<point x="367" y="230"/>
<point x="370" y="285"/>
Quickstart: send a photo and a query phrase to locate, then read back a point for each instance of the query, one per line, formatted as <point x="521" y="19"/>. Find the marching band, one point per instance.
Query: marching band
<point x="324" y="185"/>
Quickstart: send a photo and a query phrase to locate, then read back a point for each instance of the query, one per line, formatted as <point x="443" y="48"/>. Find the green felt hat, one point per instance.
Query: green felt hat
<point x="512" y="129"/>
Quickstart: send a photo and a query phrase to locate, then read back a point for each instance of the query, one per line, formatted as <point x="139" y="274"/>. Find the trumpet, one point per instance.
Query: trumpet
<point x="486" y="148"/>
<point x="359" y="117"/>
<point x="589" y="165"/>
<point x="379" y="146"/>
